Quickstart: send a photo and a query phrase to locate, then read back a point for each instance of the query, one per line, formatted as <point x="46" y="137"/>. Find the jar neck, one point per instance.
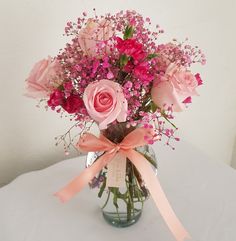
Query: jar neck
<point x="116" y="133"/>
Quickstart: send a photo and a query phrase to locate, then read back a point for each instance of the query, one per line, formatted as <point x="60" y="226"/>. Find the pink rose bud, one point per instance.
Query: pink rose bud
<point x="93" y="34"/>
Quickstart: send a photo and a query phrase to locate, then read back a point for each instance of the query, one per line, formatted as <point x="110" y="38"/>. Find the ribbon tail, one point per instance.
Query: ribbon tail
<point x="77" y="184"/>
<point x="158" y="195"/>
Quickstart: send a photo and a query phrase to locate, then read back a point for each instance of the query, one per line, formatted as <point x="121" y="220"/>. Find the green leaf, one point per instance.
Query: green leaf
<point x="129" y="31"/>
<point x="60" y="87"/>
<point x="102" y="189"/>
<point x="152" y="161"/>
<point x="123" y="60"/>
<point x="115" y="191"/>
<point x="152" y="56"/>
<point x="153" y="107"/>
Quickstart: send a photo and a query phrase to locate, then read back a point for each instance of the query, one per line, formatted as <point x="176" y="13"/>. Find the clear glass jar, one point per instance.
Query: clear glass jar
<point x="122" y="207"/>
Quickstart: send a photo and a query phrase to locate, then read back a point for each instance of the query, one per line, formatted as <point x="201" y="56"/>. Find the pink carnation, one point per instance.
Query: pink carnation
<point x="129" y="67"/>
<point x="56" y="99"/>
<point x="68" y="86"/>
<point x="131" y="48"/>
<point x="73" y="104"/>
<point x="141" y="71"/>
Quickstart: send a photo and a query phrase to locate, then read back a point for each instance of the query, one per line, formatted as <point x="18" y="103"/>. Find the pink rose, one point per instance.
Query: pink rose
<point x="41" y="78"/>
<point x="105" y="102"/>
<point x="175" y="88"/>
<point x="93" y="34"/>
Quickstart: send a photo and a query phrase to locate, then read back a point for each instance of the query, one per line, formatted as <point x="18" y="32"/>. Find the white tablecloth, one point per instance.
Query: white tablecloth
<point x="202" y="193"/>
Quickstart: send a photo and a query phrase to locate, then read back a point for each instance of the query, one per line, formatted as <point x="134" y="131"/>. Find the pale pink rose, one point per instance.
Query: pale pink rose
<point x="93" y="34"/>
<point x="105" y="102"/>
<point x="41" y="78"/>
<point x="175" y="88"/>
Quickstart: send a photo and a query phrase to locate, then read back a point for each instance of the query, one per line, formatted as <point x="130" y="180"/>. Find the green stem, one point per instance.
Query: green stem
<point x="115" y="192"/>
<point x="102" y="188"/>
<point x="165" y="117"/>
<point x="129" y="201"/>
<point x="108" y="197"/>
<point x="152" y="161"/>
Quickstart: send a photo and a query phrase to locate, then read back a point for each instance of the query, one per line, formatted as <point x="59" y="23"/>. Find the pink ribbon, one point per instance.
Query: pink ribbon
<point x="88" y="142"/>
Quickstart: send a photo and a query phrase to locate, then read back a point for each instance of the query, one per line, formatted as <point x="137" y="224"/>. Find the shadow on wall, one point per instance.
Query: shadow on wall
<point x="233" y="161"/>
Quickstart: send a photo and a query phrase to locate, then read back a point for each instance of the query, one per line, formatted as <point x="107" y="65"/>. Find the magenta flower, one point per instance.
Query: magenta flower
<point x="129" y="67"/>
<point x="56" y="99"/>
<point x="130" y="47"/>
<point x="199" y="79"/>
<point x="141" y="71"/>
<point x="68" y="86"/>
<point x="188" y="100"/>
<point x="73" y="104"/>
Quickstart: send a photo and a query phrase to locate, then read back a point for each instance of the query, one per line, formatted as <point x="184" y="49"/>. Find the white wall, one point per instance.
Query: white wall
<point x="31" y="30"/>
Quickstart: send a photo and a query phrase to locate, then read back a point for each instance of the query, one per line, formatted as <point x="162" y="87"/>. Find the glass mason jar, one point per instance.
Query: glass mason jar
<point x="122" y="207"/>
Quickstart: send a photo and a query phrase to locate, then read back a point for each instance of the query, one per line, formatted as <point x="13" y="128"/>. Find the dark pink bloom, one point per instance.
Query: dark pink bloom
<point x="129" y="67"/>
<point x="110" y="75"/>
<point x="68" y="86"/>
<point x="96" y="64"/>
<point x="199" y="79"/>
<point x="106" y="63"/>
<point x="130" y="47"/>
<point x="77" y="67"/>
<point x="188" y="100"/>
<point x="72" y="104"/>
<point x="141" y="71"/>
<point x="56" y="99"/>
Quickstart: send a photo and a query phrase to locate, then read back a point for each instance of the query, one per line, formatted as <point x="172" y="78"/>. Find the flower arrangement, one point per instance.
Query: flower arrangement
<point x="115" y="73"/>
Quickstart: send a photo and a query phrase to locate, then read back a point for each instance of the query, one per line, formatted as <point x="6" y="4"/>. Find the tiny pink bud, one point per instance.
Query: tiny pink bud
<point x="110" y="75"/>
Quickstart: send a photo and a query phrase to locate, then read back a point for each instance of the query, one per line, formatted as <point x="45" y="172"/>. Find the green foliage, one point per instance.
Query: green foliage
<point x="152" y="56"/>
<point x="129" y="31"/>
<point x="123" y="60"/>
<point x="102" y="188"/>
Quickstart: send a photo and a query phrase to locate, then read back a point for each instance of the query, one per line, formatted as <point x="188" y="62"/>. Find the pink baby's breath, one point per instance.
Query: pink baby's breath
<point x="121" y="48"/>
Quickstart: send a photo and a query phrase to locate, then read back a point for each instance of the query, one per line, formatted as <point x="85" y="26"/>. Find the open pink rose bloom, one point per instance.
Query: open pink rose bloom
<point x="41" y="78"/>
<point x="175" y="88"/>
<point x="105" y="102"/>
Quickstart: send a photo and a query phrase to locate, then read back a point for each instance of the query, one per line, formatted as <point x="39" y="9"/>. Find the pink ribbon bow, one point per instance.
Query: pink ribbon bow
<point x="88" y="142"/>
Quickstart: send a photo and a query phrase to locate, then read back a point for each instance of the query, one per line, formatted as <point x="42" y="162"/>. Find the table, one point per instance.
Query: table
<point x="202" y="193"/>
